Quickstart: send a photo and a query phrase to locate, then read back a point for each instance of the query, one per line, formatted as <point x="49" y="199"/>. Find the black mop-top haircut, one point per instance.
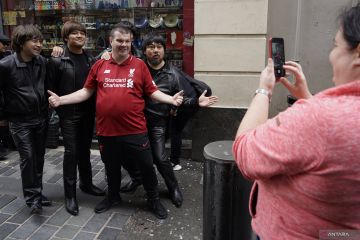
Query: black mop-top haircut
<point x="153" y="38"/>
<point x="22" y="34"/>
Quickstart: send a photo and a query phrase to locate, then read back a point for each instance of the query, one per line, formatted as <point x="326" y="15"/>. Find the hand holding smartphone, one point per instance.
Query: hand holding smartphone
<point x="277" y="53"/>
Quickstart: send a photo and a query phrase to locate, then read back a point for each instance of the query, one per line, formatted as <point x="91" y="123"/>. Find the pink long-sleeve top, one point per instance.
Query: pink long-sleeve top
<point x="306" y="166"/>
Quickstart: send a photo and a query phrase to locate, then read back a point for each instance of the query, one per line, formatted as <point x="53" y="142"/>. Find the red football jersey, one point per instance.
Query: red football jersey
<point x="120" y="90"/>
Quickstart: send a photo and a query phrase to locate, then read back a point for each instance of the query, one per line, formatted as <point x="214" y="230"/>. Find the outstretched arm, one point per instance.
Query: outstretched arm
<point x="175" y="100"/>
<point x="207" y="101"/>
<point x="75" y="97"/>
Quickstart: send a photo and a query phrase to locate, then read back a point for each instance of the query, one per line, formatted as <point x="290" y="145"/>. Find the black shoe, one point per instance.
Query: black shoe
<point x="92" y="190"/>
<point x="36" y="208"/>
<point x="106" y="204"/>
<point x="131" y="186"/>
<point x="45" y="201"/>
<point x="157" y="208"/>
<point x="176" y="197"/>
<point x="71" y="206"/>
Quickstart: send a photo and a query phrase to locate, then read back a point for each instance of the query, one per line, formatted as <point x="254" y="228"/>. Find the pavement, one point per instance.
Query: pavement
<point x="131" y="220"/>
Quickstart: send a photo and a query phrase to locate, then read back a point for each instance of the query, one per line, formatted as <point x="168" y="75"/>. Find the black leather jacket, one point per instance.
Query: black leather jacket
<point x="61" y="80"/>
<point x="169" y="80"/>
<point x="24" y="92"/>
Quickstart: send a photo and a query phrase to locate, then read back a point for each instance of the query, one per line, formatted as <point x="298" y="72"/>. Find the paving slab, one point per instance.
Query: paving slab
<point x="131" y="220"/>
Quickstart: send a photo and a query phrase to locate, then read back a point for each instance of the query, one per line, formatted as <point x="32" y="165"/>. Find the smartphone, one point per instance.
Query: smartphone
<point x="277" y="53"/>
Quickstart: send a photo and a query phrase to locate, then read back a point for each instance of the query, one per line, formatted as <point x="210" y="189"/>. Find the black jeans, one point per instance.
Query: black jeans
<point x="115" y="150"/>
<point x="30" y="137"/>
<point x="177" y="125"/>
<point x="77" y="132"/>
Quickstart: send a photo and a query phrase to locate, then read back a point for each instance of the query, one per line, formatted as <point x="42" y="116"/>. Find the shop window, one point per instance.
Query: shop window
<point x="162" y="16"/>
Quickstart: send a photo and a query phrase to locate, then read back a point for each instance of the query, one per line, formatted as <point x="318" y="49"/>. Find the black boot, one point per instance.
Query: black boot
<point x="71" y="204"/>
<point x="45" y="201"/>
<point x="176" y="197"/>
<point x="91" y="189"/>
<point x="131" y="186"/>
<point x="107" y="203"/>
<point x="157" y="208"/>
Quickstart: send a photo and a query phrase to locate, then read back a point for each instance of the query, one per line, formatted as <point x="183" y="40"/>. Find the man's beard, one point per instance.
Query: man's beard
<point x="155" y="62"/>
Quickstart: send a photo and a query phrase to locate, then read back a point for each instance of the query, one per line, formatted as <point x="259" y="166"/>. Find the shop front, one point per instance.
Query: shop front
<point x="171" y="18"/>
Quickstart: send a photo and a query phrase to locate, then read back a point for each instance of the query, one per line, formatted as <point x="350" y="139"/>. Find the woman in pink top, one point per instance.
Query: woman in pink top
<point x="306" y="161"/>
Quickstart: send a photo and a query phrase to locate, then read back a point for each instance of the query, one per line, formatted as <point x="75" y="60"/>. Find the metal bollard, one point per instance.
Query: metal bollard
<point x="226" y="196"/>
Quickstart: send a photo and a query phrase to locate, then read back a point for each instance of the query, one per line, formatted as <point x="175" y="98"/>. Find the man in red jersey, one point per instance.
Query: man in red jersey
<point x="121" y="84"/>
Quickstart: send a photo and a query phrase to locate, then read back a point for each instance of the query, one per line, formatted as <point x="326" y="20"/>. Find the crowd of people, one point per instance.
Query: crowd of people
<point x="131" y="103"/>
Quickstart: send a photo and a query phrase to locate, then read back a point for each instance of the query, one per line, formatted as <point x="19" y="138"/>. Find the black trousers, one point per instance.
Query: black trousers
<point x="3" y="139"/>
<point x="29" y="138"/>
<point x="77" y="132"/>
<point x="177" y="125"/>
<point x="115" y="150"/>
<point x="6" y="140"/>
<point x="157" y="135"/>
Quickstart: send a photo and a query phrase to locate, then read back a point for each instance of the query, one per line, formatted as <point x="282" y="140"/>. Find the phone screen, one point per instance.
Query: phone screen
<point x="278" y="55"/>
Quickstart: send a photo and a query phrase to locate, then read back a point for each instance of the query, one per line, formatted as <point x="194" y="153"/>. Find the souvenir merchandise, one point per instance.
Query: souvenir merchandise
<point x="174" y="39"/>
<point x="171" y="20"/>
<point x="72" y="4"/>
<point x="164" y="17"/>
<point x="141" y="21"/>
<point x="48" y="5"/>
<point x="156" y="21"/>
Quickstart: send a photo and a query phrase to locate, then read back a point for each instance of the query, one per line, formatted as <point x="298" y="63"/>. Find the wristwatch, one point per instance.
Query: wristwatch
<point x="263" y="91"/>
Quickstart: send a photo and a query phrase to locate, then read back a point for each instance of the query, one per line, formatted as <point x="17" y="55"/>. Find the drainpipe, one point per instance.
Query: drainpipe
<point x="296" y="57"/>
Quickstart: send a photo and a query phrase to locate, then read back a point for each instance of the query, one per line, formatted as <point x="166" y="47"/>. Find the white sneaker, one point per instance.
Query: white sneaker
<point x="177" y="167"/>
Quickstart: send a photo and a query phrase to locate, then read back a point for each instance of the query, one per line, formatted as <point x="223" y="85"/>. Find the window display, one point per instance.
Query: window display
<point x="99" y="16"/>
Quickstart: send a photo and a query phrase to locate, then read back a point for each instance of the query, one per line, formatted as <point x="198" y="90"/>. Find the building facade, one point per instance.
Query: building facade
<point x="231" y="51"/>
